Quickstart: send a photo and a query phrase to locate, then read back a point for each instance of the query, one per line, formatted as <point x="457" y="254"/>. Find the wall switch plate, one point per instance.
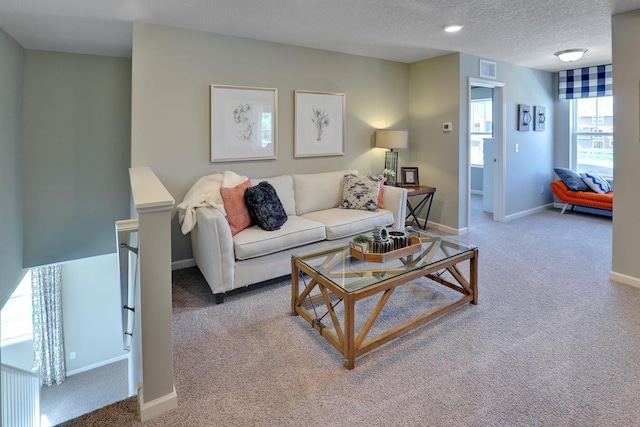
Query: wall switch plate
<point x="72" y="355"/>
<point x="446" y="127"/>
<point x="516" y="148"/>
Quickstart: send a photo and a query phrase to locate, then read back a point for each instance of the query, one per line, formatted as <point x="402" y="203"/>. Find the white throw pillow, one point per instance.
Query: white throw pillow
<point x="361" y="192"/>
<point x="596" y="182"/>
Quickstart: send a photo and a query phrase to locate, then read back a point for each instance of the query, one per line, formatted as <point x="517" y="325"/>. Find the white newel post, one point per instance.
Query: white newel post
<point x="153" y="204"/>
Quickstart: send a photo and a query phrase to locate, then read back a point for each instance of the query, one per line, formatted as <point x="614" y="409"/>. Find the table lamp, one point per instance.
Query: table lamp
<point x="386" y="138"/>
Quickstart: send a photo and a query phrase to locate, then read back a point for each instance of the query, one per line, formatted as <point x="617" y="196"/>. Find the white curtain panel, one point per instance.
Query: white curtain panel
<point x="48" y="342"/>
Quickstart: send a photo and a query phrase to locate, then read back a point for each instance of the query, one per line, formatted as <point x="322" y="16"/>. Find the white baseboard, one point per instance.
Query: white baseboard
<point x="185" y="263"/>
<point x="528" y="212"/>
<point x="443" y="228"/>
<point x="624" y="279"/>
<point x="157" y="407"/>
<point x="97" y="365"/>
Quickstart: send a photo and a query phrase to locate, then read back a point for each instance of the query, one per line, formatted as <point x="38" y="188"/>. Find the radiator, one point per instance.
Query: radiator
<point x="20" y="393"/>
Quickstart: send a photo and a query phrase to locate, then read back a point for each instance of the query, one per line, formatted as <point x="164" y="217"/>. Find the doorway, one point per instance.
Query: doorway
<point x="486" y="142"/>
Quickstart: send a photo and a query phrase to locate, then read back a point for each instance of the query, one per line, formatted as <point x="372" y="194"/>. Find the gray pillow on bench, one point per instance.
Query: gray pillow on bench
<point x="572" y="179"/>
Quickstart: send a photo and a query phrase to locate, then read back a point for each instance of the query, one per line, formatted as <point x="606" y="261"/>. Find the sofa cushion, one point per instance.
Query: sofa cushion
<point x="284" y="187"/>
<point x="235" y="207"/>
<point x="361" y="192"/>
<point x="347" y="222"/>
<point x="254" y="241"/>
<point x="265" y="207"/>
<point x="318" y="191"/>
<point x="572" y="179"/>
<point x="596" y="182"/>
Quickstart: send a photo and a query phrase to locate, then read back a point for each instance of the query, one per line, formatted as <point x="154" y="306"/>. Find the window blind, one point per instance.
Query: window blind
<point x="589" y="82"/>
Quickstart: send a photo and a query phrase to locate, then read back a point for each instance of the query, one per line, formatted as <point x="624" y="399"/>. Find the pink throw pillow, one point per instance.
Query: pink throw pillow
<point x="237" y="212"/>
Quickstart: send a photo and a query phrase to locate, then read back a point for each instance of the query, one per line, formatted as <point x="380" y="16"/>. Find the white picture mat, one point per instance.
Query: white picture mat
<point x="308" y="140"/>
<point x="233" y="140"/>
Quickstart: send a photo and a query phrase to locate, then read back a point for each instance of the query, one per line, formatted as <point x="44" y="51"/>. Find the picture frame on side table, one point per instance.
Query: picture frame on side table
<point x="410" y="177"/>
<point x="319" y="123"/>
<point x="244" y="123"/>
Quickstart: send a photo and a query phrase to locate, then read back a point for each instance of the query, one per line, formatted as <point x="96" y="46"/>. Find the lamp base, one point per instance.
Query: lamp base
<point x="391" y="163"/>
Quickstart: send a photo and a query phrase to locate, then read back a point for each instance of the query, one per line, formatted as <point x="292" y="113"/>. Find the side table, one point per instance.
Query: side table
<point x="427" y="193"/>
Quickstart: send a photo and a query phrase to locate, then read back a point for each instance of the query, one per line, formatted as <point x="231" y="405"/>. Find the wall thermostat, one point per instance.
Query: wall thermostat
<point x="446" y="127"/>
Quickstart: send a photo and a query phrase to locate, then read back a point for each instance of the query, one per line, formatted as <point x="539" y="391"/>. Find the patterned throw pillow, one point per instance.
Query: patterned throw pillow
<point x="265" y="206"/>
<point x="361" y="192"/>
<point x="596" y="182"/>
<point x="571" y="179"/>
<point x="237" y="212"/>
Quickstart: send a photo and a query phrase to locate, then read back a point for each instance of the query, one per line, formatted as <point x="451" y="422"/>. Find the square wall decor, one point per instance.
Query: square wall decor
<point x="539" y="118"/>
<point x="524" y="117"/>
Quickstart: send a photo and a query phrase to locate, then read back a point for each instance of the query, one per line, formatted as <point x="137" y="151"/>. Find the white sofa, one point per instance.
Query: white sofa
<point x="313" y="220"/>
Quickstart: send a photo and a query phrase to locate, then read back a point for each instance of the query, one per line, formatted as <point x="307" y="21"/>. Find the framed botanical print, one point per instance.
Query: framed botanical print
<point x="319" y="124"/>
<point x="244" y="123"/>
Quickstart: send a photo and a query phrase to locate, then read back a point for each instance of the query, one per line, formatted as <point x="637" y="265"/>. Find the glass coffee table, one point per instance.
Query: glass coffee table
<point x="327" y="283"/>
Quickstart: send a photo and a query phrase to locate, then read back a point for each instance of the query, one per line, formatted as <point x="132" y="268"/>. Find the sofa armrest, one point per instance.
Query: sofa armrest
<point x="395" y="200"/>
<point x="212" y="246"/>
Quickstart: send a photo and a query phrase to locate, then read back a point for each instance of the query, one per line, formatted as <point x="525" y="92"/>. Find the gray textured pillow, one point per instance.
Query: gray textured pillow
<point x="572" y="179"/>
<point x="265" y="207"/>
<point x="360" y="192"/>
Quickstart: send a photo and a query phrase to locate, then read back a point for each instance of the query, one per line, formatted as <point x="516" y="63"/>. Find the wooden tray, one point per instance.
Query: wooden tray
<point x="398" y="253"/>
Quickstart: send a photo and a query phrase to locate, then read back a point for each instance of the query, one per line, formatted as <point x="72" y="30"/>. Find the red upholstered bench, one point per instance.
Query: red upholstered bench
<point x="589" y="199"/>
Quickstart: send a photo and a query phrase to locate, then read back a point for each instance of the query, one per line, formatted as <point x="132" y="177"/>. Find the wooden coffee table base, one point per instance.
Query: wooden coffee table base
<point x="343" y="337"/>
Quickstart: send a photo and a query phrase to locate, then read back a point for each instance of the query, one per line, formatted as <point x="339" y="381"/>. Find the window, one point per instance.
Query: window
<point x="481" y="127"/>
<point x="16" y="314"/>
<point x="592" y="135"/>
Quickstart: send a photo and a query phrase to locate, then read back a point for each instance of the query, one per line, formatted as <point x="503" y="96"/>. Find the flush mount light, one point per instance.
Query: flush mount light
<point x="570" y="55"/>
<point x="453" y="28"/>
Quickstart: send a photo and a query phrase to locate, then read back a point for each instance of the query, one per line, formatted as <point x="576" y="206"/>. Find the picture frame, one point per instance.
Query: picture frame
<point x="244" y="123"/>
<point x="319" y="123"/>
<point x="539" y="114"/>
<point x="524" y="117"/>
<point x="409" y="177"/>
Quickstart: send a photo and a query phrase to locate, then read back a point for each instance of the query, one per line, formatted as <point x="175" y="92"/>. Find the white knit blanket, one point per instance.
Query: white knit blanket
<point x="205" y="192"/>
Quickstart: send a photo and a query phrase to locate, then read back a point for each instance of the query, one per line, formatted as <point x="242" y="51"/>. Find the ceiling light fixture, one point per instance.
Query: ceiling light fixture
<point x="570" y="55"/>
<point x="453" y="28"/>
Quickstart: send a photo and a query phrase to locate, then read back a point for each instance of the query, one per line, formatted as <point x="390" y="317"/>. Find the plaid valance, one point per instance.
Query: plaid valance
<point x="587" y="82"/>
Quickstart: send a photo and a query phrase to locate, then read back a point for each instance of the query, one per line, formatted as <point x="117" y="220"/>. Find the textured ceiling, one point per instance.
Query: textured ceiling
<point x="520" y="32"/>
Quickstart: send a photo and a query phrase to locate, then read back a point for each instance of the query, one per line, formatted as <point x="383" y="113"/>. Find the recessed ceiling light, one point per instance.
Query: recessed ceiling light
<point x="453" y="28"/>
<point x="570" y="55"/>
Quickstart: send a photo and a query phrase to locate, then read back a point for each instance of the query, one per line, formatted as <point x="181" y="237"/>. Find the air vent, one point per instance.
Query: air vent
<point x="488" y="69"/>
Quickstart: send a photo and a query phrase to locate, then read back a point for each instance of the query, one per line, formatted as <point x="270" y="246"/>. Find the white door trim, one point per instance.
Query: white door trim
<point x="499" y="135"/>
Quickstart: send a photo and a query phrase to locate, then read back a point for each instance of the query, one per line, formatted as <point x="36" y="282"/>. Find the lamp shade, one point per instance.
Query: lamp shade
<point x="392" y="138"/>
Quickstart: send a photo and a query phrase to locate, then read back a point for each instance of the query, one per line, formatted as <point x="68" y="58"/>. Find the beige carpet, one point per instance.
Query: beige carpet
<point x="552" y="343"/>
<point x="79" y="395"/>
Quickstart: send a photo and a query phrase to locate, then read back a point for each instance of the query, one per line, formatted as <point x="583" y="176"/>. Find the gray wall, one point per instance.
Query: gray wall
<point x="532" y="166"/>
<point x="91" y="311"/>
<point x="477" y="179"/>
<point x="562" y="129"/>
<point x="76" y="154"/>
<point x="439" y="93"/>
<point x="626" y="72"/>
<point x="11" y="181"/>
<point x="172" y="73"/>
<point x="435" y="94"/>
